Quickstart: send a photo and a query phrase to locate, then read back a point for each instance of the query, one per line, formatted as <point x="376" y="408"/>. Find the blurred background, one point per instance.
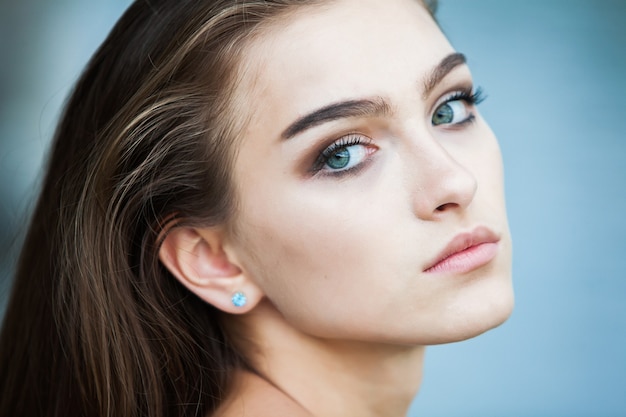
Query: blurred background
<point x="555" y="75"/>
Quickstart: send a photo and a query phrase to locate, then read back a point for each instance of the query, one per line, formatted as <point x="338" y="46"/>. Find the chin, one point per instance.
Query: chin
<point x="478" y="317"/>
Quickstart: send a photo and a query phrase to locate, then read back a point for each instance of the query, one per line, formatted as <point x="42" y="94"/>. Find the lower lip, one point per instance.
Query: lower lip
<point x="466" y="260"/>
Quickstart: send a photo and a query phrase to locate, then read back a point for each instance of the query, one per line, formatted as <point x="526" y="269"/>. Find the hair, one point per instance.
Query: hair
<point x="96" y="325"/>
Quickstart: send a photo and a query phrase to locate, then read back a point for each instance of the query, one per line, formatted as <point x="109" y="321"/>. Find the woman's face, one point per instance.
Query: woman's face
<point x="363" y="164"/>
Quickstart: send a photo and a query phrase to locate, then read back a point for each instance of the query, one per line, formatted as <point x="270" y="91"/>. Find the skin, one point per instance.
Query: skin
<point x="340" y="306"/>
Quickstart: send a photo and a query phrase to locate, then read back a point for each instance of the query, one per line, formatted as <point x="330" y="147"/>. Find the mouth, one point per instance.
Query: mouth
<point x="466" y="252"/>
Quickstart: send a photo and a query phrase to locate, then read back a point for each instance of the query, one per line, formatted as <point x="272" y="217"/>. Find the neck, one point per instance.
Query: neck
<point x="330" y="377"/>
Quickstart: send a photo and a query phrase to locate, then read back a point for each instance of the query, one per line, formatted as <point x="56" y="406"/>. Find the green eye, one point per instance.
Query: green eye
<point x="344" y="155"/>
<point x="339" y="159"/>
<point x="443" y="115"/>
<point x="347" y="157"/>
<point x="451" y="112"/>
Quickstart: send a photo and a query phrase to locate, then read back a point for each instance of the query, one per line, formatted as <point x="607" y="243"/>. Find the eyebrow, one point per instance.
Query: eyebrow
<point x="369" y="107"/>
<point x="442" y="69"/>
<point x="341" y="110"/>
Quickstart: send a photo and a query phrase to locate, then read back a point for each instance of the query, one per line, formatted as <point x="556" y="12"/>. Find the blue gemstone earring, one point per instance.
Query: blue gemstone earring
<point x="239" y="299"/>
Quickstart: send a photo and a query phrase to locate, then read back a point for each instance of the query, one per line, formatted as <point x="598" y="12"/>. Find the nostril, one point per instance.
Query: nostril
<point x="446" y="206"/>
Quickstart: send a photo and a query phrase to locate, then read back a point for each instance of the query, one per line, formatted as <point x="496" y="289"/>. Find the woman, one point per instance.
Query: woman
<point x="258" y="208"/>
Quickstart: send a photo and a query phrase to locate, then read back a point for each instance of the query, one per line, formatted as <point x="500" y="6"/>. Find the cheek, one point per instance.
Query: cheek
<point x="491" y="180"/>
<point x="482" y="157"/>
<point x="321" y="259"/>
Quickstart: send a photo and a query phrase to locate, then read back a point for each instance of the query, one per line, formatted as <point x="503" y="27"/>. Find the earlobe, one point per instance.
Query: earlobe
<point x="197" y="259"/>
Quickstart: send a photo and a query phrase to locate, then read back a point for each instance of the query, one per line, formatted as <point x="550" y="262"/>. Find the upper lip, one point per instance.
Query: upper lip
<point x="463" y="241"/>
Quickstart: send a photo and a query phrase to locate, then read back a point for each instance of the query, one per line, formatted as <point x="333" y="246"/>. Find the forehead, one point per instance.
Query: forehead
<point x="338" y="50"/>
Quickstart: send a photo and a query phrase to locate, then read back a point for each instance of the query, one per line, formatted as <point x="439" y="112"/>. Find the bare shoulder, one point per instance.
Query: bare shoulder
<point x="255" y="397"/>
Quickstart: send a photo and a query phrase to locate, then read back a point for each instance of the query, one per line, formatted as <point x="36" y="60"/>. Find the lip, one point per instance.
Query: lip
<point x="466" y="252"/>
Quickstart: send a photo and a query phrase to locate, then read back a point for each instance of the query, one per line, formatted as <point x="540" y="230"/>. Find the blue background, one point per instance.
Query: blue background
<point x="555" y="74"/>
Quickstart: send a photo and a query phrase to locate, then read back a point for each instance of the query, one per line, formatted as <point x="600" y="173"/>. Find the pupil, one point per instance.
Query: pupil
<point x="339" y="159"/>
<point x="444" y="114"/>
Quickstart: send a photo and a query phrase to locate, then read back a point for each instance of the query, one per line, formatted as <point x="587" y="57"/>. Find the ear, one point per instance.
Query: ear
<point x="196" y="257"/>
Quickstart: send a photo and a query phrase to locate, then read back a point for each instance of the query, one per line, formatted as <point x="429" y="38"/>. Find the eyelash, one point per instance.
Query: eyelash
<point x="469" y="96"/>
<point x="343" y="142"/>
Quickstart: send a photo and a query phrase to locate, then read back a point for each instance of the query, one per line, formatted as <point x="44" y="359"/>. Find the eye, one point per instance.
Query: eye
<point x="344" y="155"/>
<point x="451" y="112"/>
<point x="346" y="158"/>
<point x="456" y="110"/>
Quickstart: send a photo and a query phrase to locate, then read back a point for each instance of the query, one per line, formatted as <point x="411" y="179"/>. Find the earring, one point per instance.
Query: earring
<point x="239" y="299"/>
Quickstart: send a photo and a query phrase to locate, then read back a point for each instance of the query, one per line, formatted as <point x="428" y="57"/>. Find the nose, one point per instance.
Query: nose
<point x="445" y="186"/>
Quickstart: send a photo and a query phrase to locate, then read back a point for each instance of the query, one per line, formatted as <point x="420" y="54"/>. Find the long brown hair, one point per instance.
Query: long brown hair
<point x="96" y="326"/>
